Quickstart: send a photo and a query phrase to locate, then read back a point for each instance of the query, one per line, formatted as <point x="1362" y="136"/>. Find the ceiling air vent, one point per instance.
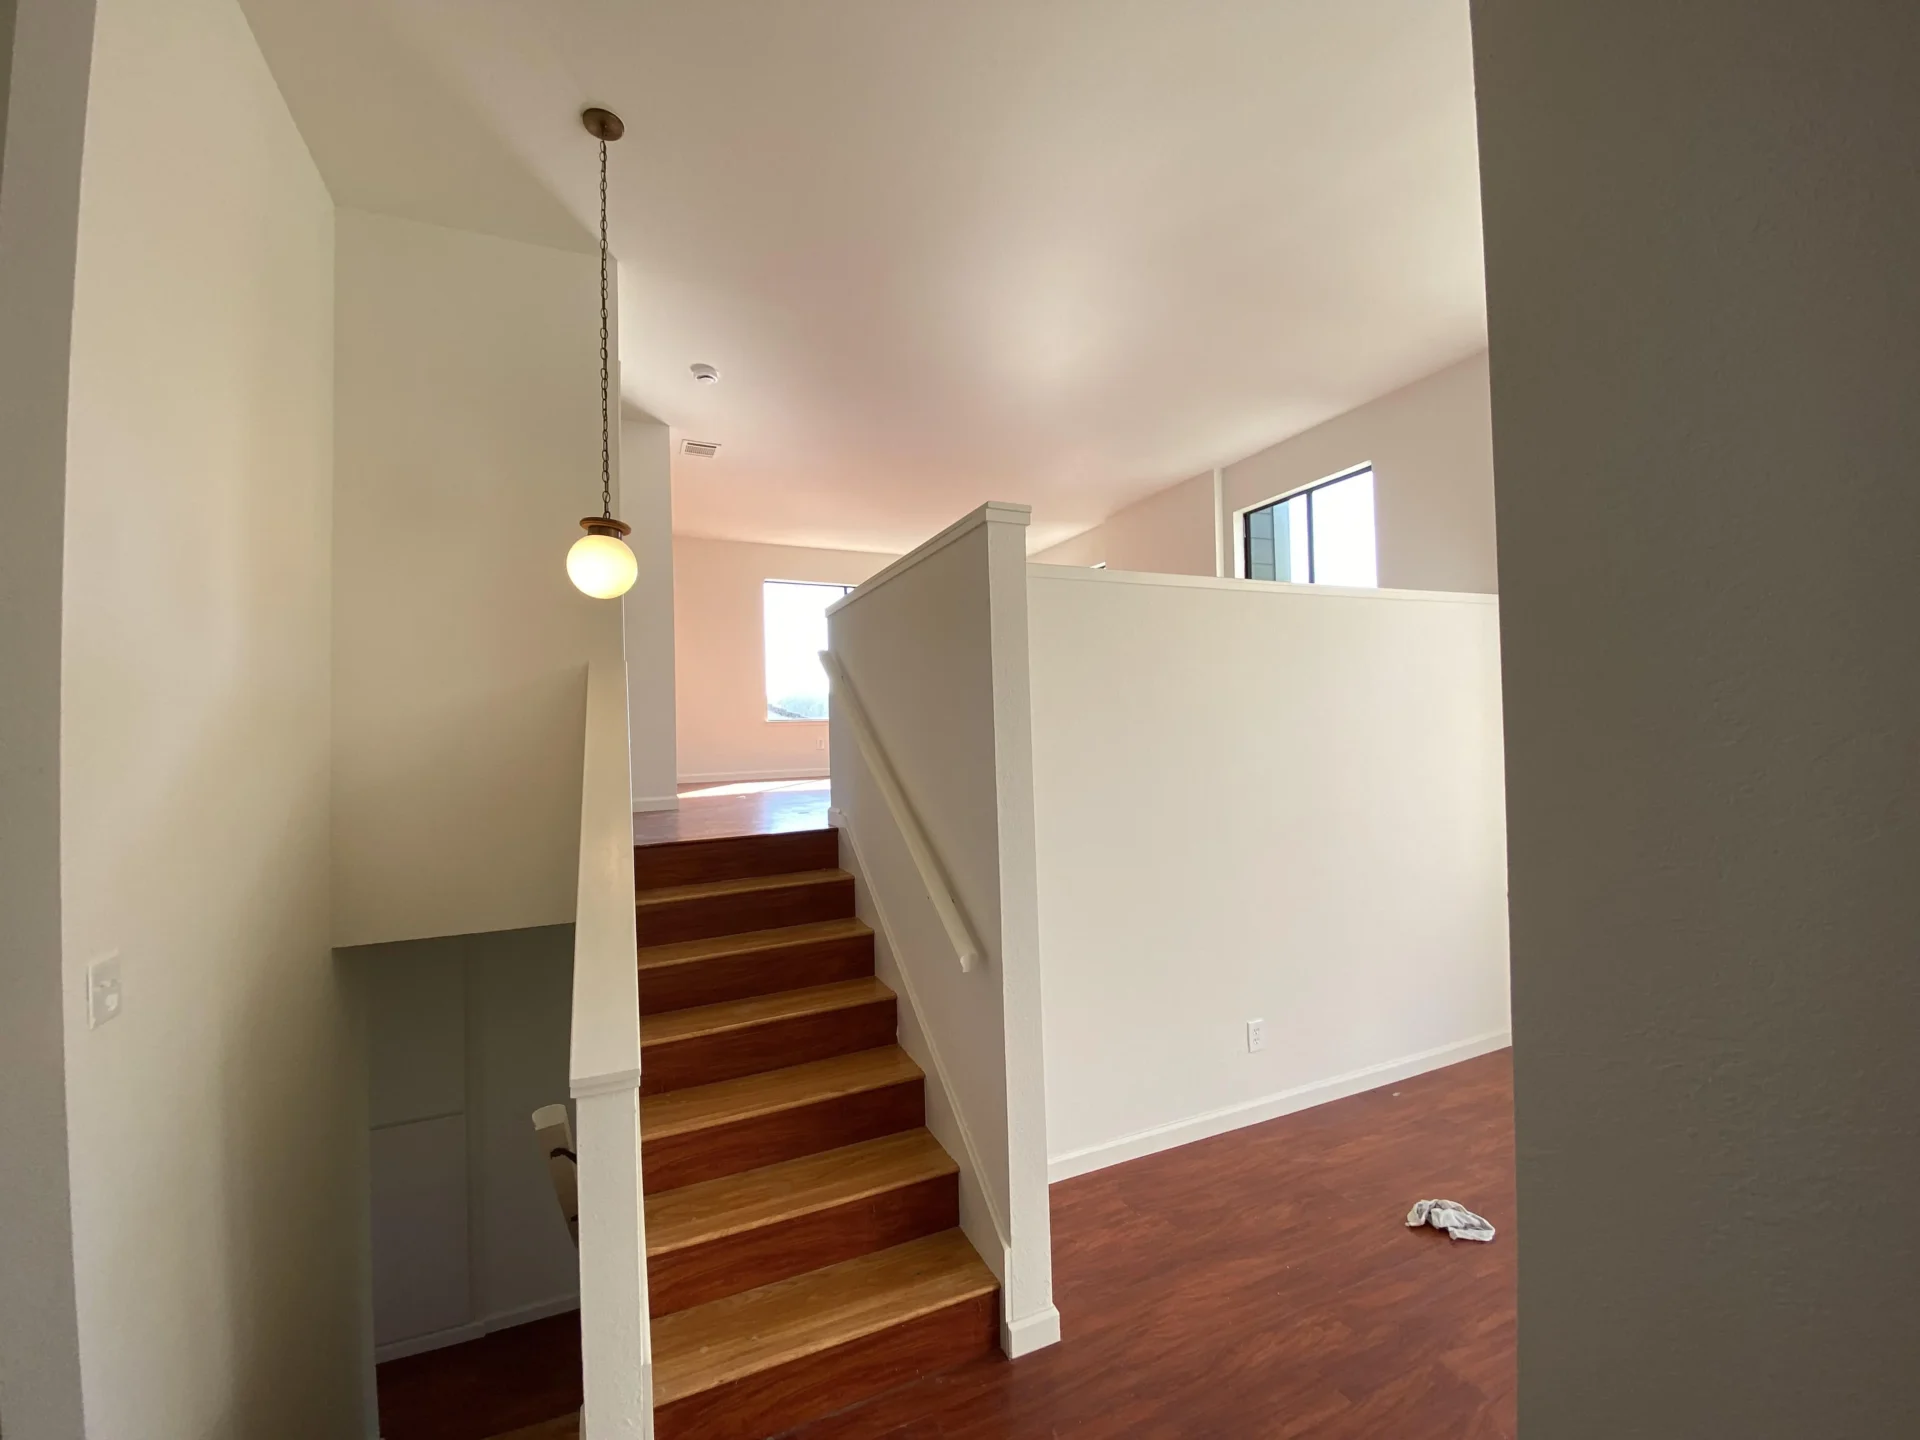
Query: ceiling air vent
<point x="705" y="449"/>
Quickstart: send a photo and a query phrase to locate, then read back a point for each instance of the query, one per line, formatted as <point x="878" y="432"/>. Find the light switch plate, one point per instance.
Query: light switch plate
<point x="103" y="990"/>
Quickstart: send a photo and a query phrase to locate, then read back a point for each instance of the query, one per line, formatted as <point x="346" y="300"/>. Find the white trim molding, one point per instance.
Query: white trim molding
<point x="1268" y="1107"/>
<point x="738" y="777"/>
<point x="643" y="804"/>
<point x="1030" y="1333"/>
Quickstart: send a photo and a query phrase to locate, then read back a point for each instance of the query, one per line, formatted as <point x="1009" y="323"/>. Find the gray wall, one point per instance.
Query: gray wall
<point x="467" y="1036"/>
<point x="1703" y="248"/>
<point x="45" y="111"/>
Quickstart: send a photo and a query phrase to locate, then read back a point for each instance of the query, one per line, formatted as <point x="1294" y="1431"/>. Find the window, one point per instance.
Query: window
<point x="796" y="633"/>
<point x="1322" y="535"/>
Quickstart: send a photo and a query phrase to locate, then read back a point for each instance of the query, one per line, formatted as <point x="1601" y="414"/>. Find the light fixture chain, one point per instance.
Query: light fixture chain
<point x="606" y="457"/>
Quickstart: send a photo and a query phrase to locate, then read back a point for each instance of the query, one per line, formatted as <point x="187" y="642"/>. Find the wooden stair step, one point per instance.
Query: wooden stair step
<point x="728" y="907"/>
<point x="688" y="862"/>
<point x="731" y="967"/>
<point x="707" y="1131"/>
<point x="698" y="1046"/>
<point x="761" y="1362"/>
<point x="742" y="1231"/>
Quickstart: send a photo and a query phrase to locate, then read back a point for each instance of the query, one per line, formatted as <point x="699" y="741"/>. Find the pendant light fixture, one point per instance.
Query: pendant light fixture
<point x="600" y="564"/>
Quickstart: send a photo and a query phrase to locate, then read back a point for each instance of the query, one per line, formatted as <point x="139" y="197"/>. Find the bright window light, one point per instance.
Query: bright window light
<point x="1322" y="535"/>
<point x="796" y="633"/>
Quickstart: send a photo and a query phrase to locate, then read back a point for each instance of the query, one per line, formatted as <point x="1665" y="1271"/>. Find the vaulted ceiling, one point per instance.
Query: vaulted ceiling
<point x="1061" y="252"/>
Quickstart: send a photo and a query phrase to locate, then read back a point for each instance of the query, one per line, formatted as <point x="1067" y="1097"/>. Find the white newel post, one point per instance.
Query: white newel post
<point x="616" y="1351"/>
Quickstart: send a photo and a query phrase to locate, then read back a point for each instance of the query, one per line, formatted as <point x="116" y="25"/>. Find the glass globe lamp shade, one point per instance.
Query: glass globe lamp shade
<point x="600" y="564"/>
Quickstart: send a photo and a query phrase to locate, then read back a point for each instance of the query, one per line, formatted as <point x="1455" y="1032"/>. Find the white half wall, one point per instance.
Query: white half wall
<point x="646" y="503"/>
<point x="1258" y="802"/>
<point x="1431" y="448"/>
<point x="720" y="658"/>
<point x="468" y="449"/>
<point x="217" y="1142"/>
<point x="933" y="651"/>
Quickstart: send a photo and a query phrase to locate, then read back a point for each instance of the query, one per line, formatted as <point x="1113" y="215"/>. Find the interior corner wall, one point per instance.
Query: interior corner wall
<point x="720" y="657"/>
<point x="1431" y="448"/>
<point x="467" y="442"/>
<point x="45" y="57"/>
<point x="1701" y="224"/>
<point x="646" y="503"/>
<point x="217" y="1150"/>
<point x="1169" y="533"/>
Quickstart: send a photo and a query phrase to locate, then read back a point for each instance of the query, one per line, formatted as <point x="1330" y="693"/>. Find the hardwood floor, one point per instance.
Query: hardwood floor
<point x="1259" y="1284"/>
<point x="710" y="812"/>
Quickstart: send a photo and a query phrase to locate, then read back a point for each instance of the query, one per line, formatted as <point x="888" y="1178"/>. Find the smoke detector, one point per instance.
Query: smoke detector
<point x="705" y="374"/>
<point x="705" y="449"/>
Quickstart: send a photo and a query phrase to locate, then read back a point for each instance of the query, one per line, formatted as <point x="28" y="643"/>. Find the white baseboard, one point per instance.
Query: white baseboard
<point x="1268" y="1107"/>
<point x="474" y="1329"/>
<point x="1030" y="1333"/>
<point x="655" y="802"/>
<point x="735" y="777"/>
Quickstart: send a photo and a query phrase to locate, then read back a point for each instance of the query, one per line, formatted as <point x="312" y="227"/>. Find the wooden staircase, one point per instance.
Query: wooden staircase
<point x="802" y="1244"/>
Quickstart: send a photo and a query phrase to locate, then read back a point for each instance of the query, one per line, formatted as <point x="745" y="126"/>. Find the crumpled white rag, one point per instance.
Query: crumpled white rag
<point x="1450" y="1216"/>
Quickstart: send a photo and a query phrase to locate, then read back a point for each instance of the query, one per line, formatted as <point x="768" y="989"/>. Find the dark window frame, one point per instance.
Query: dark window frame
<point x="1246" y="529"/>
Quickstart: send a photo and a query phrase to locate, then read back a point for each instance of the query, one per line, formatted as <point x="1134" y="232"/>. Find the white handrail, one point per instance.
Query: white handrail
<point x="932" y="877"/>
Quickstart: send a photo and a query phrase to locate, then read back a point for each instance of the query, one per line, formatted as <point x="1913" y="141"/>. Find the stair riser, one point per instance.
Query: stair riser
<point x="692" y="1156"/>
<point x="762" y="972"/>
<point x="768" y="1253"/>
<point x="702" y="917"/>
<point x="787" y="1395"/>
<point x="705" y="1059"/>
<point x="738" y="857"/>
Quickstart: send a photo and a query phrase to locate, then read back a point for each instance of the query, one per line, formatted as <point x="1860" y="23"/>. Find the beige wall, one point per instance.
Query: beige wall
<point x="468" y="440"/>
<point x="720" y="662"/>
<point x="646" y="503"/>
<point x="216" y="1125"/>
<point x="1431" y="450"/>
<point x="1701" y="227"/>
<point x="39" y="195"/>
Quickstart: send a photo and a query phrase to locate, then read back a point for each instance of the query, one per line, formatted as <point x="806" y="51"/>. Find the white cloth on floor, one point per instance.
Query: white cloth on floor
<point x="1450" y="1216"/>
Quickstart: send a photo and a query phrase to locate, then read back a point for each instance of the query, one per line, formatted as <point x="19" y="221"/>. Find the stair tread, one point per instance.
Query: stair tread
<point x="711" y="1209"/>
<point x="683" y="952"/>
<point x="672" y="1025"/>
<point x="746" y="885"/>
<point x="741" y="1335"/>
<point x="695" y="1108"/>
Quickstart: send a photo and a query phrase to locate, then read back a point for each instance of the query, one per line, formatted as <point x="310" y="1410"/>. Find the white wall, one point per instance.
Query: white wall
<point x="51" y="49"/>
<point x="1258" y="801"/>
<point x="217" y="1139"/>
<point x="646" y="503"/>
<point x="468" y="449"/>
<point x="1171" y="531"/>
<point x="1432" y="453"/>
<point x="720" y="657"/>
<point x="935" y="649"/>
<point x="1701" y="228"/>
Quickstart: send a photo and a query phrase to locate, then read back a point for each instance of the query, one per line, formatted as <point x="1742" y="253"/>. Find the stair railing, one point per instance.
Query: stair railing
<point x="926" y="862"/>
<point x="604" y="1079"/>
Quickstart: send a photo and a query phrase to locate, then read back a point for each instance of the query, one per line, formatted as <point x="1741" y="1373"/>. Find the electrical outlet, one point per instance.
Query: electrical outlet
<point x="820" y="742"/>
<point x="1256" y="1035"/>
<point x="103" y="990"/>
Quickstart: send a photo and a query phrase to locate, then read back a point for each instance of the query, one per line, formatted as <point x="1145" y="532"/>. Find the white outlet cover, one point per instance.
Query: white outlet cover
<point x="1256" y="1035"/>
<point x="103" y="990"/>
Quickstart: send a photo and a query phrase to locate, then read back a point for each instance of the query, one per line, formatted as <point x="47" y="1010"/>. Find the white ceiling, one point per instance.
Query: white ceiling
<point x="1062" y="252"/>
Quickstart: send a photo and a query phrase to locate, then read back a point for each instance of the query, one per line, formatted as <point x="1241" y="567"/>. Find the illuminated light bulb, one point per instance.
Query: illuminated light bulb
<point x="600" y="564"/>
